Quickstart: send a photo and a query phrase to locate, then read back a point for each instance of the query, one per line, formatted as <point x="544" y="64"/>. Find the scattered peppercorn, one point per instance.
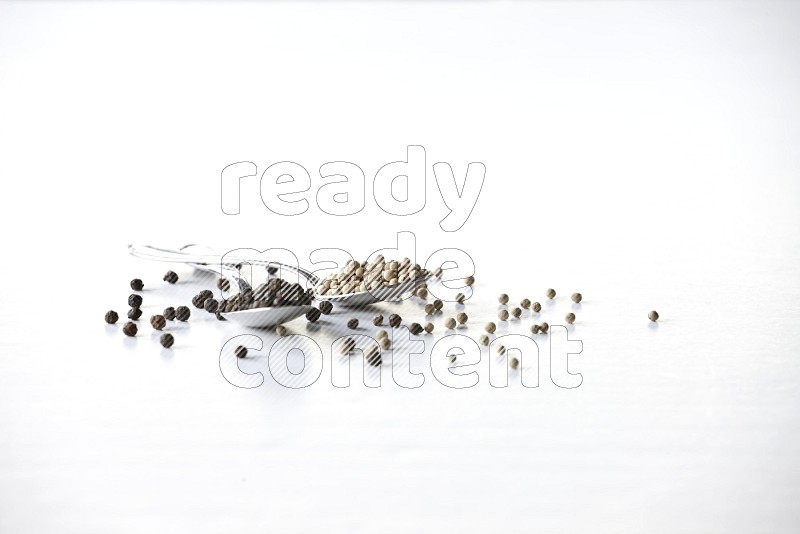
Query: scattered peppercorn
<point x="385" y="343"/>
<point x="415" y="328"/>
<point x="241" y="351"/>
<point x="501" y="350"/>
<point x="503" y="298"/>
<point x="206" y="294"/>
<point x="325" y="307"/>
<point x="430" y="309"/>
<point x="167" y="340"/>
<point x="182" y="313"/>
<point x="451" y="358"/>
<point x="313" y="315"/>
<point x="490" y="327"/>
<point x="347" y="346"/>
<point x="535" y="329"/>
<point x="395" y="320"/>
<point x="502" y="315"/>
<point x="462" y="318"/>
<point x="223" y="284"/>
<point x="428" y="327"/>
<point x="381" y="333"/>
<point x="438" y="304"/>
<point x="111" y="317"/>
<point x="544" y="327"/>
<point x="526" y="303"/>
<point x="469" y="280"/>
<point x="171" y="277"/>
<point x="137" y="284"/>
<point x="551" y="293"/>
<point x="373" y="356"/>
<point x="135" y="301"/>
<point x="484" y="340"/>
<point x="271" y="269"/>
<point x="158" y="322"/>
<point x="536" y="307"/>
<point x="653" y="316"/>
<point x="460" y="297"/>
<point x="422" y="293"/>
<point x="280" y="330"/>
<point x="514" y="363"/>
<point x="211" y="305"/>
<point x="130" y="329"/>
<point x="352" y="324"/>
<point x="450" y="323"/>
<point x="198" y="301"/>
<point x="516" y="312"/>
<point x="377" y="320"/>
<point x="570" y="318"/>
<point x="134" y="313"/>
<point x="577" y="297"/>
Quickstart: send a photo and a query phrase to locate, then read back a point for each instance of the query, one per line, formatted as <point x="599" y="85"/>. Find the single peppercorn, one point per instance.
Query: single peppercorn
<point x="469" y="280"/>
<point x="490" y="327"/>
<point x="206" y="294"/>
<point x="430" y="309"/>
<point x="577" y="297"/>
<point x="535" y="329"/>
<point x="451" y="358"/>
<point x="271" y="269"/>
<point x="503" y="298"/>
<point x="415" y="328"/>
<point x="166" y="340"/>
<point x="428" y="327"/>
<point x="313" y="315"/>
<point x="381" y="333"/>
<point x="526" y="303"/>
<point x="241" y="351"/>
<point x="182" y="313"/>
<point x="462" y="318"/>
<point x="484" y="340"/>
<point x="223" y="284"/>
<point x="111" y="317"/>
<point x="422" y="293"/>
<point x="219" y="316"/>
<point x="385" y="343"/>
<point x="516" y="312"/>
<point x="158" y="322"/>
<point x="502" y="315"/>
<point x="373" y="357"/>
<point x="134" y="313"/>
<point x="377" y="320"/>
<point x="450" y="323"/>
<point x="169" y="313"/>
<point x="570" y="318"/>
<point x="551" y="293"/>
<point x="280" y="330"/>
<point x="536" y="307"/>
<point x="395" y="320"/>
<point x="325" y="307"/>
<point x="544" y="327"/>
<point x="653" y="316"/>
<point x="171" y="277"/>
<point x="352" y="324"/>
<point x="211" y="305"/>
<point x="347" y="346"/>
<point x="130" y="329"/>
<point x="460" y="298"/>
<point x="438" y="304"/>
<point x="198" y="301"/>
<point x="137" y="284"/>
<point x="135" y="301"/>
<point x="501" y="349"/>
<point x="514" y="363"/>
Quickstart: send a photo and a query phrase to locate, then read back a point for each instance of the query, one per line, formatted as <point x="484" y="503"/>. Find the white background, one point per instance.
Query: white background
<point x="642" y="153"/>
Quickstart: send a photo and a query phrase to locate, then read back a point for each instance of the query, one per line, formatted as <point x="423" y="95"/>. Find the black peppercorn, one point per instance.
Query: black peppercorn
<point x="395" y="320"/>
<point x="158" y="322"/>
<point x="223" y="284"/>
<point x="198" y="301"/>
<point x="438" y="304"/>
<point x="325" y="307"/>
<point x="241" y="351"/>
<point x="544" y="327"/>
<point x="653" y="316"/>
<point x="171" y="277"/>
<point x="167" y="340"/>
<point x="352" y="324"/>
<point x="211" y="305"/>
<point x="111" y="317"/>
<point x="415" y="328"/>
<point x="271" y="269"/>
<point x="373" y="357"/>
<point x="182" y="313"/>
<point x="129" y="329"/>
<point x="169" y="313"/>
<point x="313" y="315"/>
<point x="206" y="294"/>
<point x="377" y="320"/>
<point x="135" y="301"/>
<point x="134" y="313"/>
<point x="137" y="284"/>
<point x="536" y="307"/>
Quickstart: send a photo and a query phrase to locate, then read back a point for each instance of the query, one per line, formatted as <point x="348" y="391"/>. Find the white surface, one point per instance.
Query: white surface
<point x="644" y="154"/>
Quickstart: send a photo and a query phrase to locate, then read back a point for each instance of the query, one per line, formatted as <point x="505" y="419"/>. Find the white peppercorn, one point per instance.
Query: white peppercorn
<point x="570" y="318"/>
<point x="385" y="343"/>
<point x="381" y="333"/>
<point x="501" y="349"/>
<point x="503" y="298"/>
<point x="490" y="327"/>
<point x="280" y="330"/>
<point x="462" y="318"/>
<point x="502" y="315"/>
<point x="484" y="340"/>
<point x="377" y="320"/>
<point x="450" y="323"/>
<point x="514" y="363"/>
